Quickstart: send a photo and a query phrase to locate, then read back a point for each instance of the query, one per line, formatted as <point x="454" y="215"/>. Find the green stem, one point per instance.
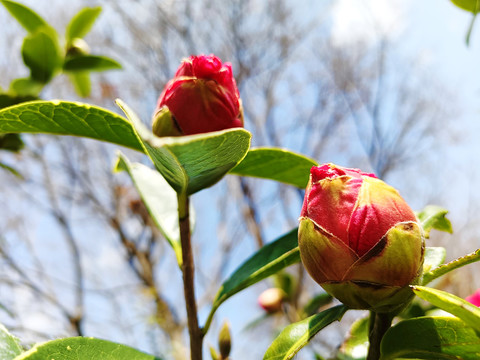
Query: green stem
<point x="381" y="323"/>
<point x="188" y="272"/>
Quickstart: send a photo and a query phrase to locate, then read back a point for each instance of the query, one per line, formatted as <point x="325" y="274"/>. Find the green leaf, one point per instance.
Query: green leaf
<point x="297" y="335"/>
<point x="90" y="63"/>
<point x="434" y="257"/>
<point x="450" y="303"/>
<point x="81" y="82"/>
<point x="316" y="303"/>
<point x="276" y="164"/>
<point x="83" y="348"/>
<point x="26" y="87"/>
<point x="433" y="217"/>
<point x="472" y="6"/>
<point x="355" y="347"/>
<point x="452" y="265"/>
<point x="159" y="198"/>
<point x="82" y="22"/>
<point x="431" y="338"/>
<point x="11" y="142"/>
<point x="195" y="162"/>
<point x="9" y="345"/>
<point x="270" y="259"/>
<point x="41" y="54"/>
<point x="13" y="99"/>
<point x="28" y="18"/>
<point x="69" y="118"/>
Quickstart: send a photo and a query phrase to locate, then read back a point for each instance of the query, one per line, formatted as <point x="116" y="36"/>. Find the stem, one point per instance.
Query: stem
<point x="381" y="323"/>
<point x="188" y="272"/>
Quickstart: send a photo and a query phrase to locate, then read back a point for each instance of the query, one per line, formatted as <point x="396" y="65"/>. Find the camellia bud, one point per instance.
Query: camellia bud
<point x="474" y="298"/>
<point x="202" y="97"/>
<point x="271" y="299"/>
<point x="359" y="239"/>
<point x="224" y="341"/>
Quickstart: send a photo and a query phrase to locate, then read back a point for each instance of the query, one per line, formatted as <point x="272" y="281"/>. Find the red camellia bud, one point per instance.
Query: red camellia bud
<point x="271" y="299"/>
<point x="359" y="239"/>
<point x="202" y="97"/>
<point x="474" y="298"/>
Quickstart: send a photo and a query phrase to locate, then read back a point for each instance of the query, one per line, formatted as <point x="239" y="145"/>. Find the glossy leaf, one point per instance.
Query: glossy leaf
<point x="82" y="22"/>
<point x="355" y="347"/>
<point x="276" y="164"/>
<point x="452" y="304"/>
<point x="297" y="335"/>
<point x="472" y="6"/>
<point x="69" y="118"/>
<point x="81" y="82"/>
<point x="270" y="259"/>
<point x="83" y="348"/>
<point x="452" y="265"/>
<point x="159" y="198"/>
<point x="90" y="63"/>
<point x="434" y="257"/>
<point x="195" y="162"/>
<point x="9" y="345"/>
<point x="431" y="338"/>
<point x="28" y="18"/>
<point x="433" y="217"/>
<point x="41" y="54"/>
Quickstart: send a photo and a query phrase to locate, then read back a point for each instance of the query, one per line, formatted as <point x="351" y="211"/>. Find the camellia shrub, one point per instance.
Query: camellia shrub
<point x="357" y="237"/>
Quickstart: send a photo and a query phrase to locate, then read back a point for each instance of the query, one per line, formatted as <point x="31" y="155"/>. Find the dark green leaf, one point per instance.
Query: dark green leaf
<point x="11" y="99"/>
<point x="297" y="335"/>
<point x="276" y="164"/>
<point x="41" y="54"/>
<point x="431" y="338"/>
<point x="28" y="18"/>
<point x="159" y="198"/>
<point x="83" y="348"/>
<point x="82" y="22"/>
<point x="472" y="6"/>
<point x="452" y="265"/>
<point x="81" y="82"/>
<point x="434" y="257"/>
<point x="69" y="118"/>
<point x="11" y="142"/>
<point x="452" y="304"/>
<point x="90" y="63"/>
<point x="433" y="217"/>
<point x="9" y="345"/>
<point x="267" y="261"/>
<point x="26" y="87"/>
<point x="195" y="162"/>
<point x="355" y="347"/>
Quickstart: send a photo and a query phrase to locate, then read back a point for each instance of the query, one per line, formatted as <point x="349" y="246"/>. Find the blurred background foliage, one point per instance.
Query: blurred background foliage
<point x="79" y="253"/>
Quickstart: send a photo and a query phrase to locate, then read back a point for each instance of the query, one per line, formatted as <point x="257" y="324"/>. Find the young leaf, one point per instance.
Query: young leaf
<point x="41" y="54"/>
<point x="81" y="82"/>
<point x="276" y="164"/>
<point x="267" y="261"/>
<point x="26" y="87"/>
<point x="452" y="265"/>
<point x="69" y="118"/>
<point x="434" y="257"/>
<point x="90" y="63"/>
<point x="297" y="335"/>
<point x="450" y="303"/>
<point x="431" y="338"/>
<point x="9" y="345"/>
<point x="159" y="198"/>
<point x="82" y="22"/>
<point x="83" y="348"/>
<point x="355" y="347"/>
<point x="433" y="217"/>
<point x="28" y="18"/>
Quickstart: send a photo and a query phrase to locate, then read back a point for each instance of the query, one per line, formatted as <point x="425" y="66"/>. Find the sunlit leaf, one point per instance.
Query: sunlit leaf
<point x="355" y="346"/>
<point x="433" y="217"/>
<point x="28" y="18"/>
<point x="472" y="6"/>
<point x="41" y="54"/>
<point x="9" y="345"/>
<point x="297" y="335"/>
<point x="82" y="22"/>
<point x="81" y="82"/>
<point x="434" y="257"/>
<point x="26" y="87"/>
<point x="431" y="338"/>
<point x="90" y="63"/>
<point x="450" y="303"/>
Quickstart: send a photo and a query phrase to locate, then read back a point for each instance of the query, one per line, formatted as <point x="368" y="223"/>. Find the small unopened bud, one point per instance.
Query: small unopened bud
<point x="271" y="300"/>
<point x="224" y="341"/>
<point x="77" y="47"/>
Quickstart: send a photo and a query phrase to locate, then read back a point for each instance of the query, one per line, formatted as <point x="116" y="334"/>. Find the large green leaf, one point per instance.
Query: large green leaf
<point x="452" y="265"/>
<point x="83" y="348"/>
<point x="450" y="303"/>
<point x="297" y="335"/>
<point x="267" y="261"/>
<point x="433" y="217"/>
<point x="160" y="200"/>
<point x="28" y="18"/>
<point x="431" y="338"/>
<point x="90" y="63"/>
<point x="9" y="345"/>
<point x="41" y="54"/>
<point x="82" y="22"/>
<point x="69" y="118"/>
<point x="355" y="346"/>
<point x="195" y="162"/>
<point x="276" y="164"/>
<point x="434" y="257"/>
